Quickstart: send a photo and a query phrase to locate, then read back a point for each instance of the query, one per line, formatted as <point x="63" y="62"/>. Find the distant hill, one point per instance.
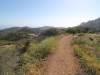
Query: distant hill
<point x="15" y="29"/>
<point x="12" y="29"/>
<point x="20" y="34"/>
<point x="9" y="30"/>
<point x="91" y="24"/>
<point x="41" y="28"/>
<point x="45" y="27"/>
<point x="48" y="27"/>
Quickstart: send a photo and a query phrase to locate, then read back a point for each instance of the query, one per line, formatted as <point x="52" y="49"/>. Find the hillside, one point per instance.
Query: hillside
<point x="41" y="28"/>
<point x="46" y="55"/>
<point x="87" y="49"/>
<point x="91" y="24"/>
<point x="9" y="30"/>
<point x="15" y="29"/>
<point x="22" y="55"/>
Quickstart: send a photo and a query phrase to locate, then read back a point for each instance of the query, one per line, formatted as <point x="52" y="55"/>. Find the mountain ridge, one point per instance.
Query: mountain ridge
<point x="91" y="23"/>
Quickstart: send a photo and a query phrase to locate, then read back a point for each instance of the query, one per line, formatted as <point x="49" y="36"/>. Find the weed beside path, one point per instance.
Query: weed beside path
<point x="87" y="49"/>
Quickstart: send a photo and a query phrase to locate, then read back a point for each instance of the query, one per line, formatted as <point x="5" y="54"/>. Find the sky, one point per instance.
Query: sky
<point x="38" y="13"/>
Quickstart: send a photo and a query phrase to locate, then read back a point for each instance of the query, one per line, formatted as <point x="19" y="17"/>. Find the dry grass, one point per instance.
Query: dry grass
<point x="30" y="61"/>
<point x="86" y="47"/>
<point x="13" y="62"/>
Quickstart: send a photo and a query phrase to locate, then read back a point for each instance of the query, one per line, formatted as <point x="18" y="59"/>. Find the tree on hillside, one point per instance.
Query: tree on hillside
<point x="51" y="32"/>
<point x="77" y="30"/>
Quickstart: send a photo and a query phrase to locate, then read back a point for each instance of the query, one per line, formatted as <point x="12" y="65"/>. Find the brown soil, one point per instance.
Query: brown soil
<point x="62" y="61"/>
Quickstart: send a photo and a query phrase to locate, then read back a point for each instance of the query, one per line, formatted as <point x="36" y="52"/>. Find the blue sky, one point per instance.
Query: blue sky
<point x="57" y="13"/>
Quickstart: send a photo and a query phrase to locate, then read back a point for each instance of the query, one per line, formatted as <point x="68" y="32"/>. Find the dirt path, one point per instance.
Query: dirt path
<point x="62" y="61"/>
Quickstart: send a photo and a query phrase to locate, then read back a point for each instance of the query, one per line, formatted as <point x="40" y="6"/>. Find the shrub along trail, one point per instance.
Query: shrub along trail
<point x="62" y="61"/>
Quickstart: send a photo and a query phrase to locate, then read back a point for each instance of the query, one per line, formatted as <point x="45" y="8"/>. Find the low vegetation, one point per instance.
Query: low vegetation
<point x="30" y="60"/>
<point x="24" y="57"/>
<point x="87" y="49"/>
<point x="9" y="57"/>
<point x="77" y="30"/>
<point x="4" y="42"/>
<point x="51" y="32"/>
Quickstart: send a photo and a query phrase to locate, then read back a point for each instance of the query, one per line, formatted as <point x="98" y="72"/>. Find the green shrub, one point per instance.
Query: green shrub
<point x="31" y="59"/>
<point x="4" y="42"/>
<point x="87" y="49"/>
<point x="8" y="60"/>
<point x="51" y="32"/>
<point x="90" y="64"/>
<point x="24" y="57"/>
<point x="78" y="40"/>
<point x="80" y="34"/>
<point x="44" y="47"/>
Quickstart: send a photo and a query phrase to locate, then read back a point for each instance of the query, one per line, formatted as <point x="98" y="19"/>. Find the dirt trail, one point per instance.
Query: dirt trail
<point x="62" y="61"/>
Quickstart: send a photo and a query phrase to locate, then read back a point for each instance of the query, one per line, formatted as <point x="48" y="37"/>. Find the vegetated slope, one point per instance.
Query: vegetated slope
<point x="62" y="61"/>
<point x="87" y="48"/>
<point x="12" y="29"/>
<point x="15" y="29"/>
<point x="24" y="53"/>
<point x="23" y="57"/>
<point x="9" y="30"/>
<point x="37" y="30"/>
<point x="20" y="34"/>
<point x="9" y="58"/>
